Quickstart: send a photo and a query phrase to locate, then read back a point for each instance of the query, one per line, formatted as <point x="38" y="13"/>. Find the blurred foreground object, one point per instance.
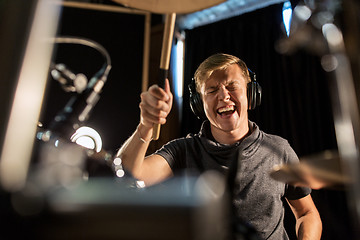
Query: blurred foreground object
<point x="170" y="6"/>
<point x="191" y="207"/>
<point x="317" y="171"/>
<point x="29" y="24"/>
<point x="318" y="27"/>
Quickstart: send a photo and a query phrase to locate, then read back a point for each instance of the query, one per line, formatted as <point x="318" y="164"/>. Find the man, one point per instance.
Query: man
<point x="226" y="137"/>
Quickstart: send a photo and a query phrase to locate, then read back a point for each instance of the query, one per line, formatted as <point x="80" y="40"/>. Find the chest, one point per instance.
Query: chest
<point x="253" y="184"/>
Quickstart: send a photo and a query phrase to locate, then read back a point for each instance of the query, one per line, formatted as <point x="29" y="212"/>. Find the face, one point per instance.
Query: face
<point x="225" y="101"/>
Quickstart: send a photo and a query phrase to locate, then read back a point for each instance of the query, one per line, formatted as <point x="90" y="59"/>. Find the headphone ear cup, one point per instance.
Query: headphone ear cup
<point x="196" y="104"/>
<point x="258" y="94"/>
<point x="250" y="95"/>
<point x="254" y="92"/>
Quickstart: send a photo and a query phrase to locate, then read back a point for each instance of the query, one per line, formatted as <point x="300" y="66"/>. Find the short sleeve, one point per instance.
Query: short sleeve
<point x="171" y="151"/>
<point x="293" y="192"/>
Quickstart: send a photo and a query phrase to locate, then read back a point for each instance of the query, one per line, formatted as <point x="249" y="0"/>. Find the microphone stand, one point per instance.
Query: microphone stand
<point x="60" y="161"/>
<point x="78" y="108"/>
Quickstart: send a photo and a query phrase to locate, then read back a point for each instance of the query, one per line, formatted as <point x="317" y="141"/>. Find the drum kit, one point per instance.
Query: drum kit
<point x="322" y="170"/>
<point x="329" y="169"/>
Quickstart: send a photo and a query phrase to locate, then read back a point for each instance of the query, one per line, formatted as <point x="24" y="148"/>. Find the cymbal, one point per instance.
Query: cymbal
<point x="170" y="6"/>
<point x="316" y="171"/>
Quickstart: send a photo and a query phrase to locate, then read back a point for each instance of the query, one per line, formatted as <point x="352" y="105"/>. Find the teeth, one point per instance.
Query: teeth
<point x="225" y="109"/>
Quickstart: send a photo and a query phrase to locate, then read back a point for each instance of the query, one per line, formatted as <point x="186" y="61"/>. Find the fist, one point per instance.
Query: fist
<point x="155" y="105"/>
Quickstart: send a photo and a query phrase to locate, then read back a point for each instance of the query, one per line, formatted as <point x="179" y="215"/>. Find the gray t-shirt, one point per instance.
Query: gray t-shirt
<point x="257" y="198"/>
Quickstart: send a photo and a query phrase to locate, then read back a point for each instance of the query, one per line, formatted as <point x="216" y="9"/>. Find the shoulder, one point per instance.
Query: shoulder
<point x="183" y="141"/>
<point x="278" y="145"/>
<point x="178" y="147"/>
<point x="182" y="152"/>
<point x="275" y="139"/>
<point x="261" y="136"/>
<point x="174" y="144"/>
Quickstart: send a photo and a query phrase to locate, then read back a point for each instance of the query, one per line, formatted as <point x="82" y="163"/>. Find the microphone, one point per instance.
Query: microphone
<point x="78" y="108"/>
<point x="69" y="81"/>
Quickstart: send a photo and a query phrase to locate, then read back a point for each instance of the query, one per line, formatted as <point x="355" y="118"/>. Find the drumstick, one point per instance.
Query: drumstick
<point x="165" y="59"/>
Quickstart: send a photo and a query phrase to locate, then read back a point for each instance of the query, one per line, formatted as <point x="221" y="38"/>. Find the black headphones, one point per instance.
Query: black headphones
<point x="254" y="92"/>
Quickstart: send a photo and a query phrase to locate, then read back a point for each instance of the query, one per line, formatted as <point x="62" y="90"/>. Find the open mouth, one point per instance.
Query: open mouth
<point x="227" y="110"/>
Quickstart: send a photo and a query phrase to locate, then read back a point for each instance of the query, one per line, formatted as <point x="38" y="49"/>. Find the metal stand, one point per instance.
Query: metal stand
<point x="314" y="26"/>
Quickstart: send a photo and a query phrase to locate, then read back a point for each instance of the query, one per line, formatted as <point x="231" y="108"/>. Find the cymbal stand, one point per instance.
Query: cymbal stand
<point x="313" y="28"/>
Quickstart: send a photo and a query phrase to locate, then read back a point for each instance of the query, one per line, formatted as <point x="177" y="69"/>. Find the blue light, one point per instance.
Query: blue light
<point x="179" y="69"/>
<point x="287" y="13"/>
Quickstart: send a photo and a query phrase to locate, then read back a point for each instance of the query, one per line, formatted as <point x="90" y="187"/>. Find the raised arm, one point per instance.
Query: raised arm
<point x="308" y="222"/>
<point x="155" y="106"/>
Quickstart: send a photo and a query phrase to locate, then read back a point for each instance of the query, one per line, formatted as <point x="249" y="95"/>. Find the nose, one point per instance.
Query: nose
<point x="224" y="94"/>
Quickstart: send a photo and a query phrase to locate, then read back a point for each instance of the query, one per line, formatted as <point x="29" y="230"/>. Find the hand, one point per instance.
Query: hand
<point x="155" y="105"/>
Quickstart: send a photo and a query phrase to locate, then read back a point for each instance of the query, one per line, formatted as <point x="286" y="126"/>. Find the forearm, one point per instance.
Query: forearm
<point x="133" y="151"/>
<point x="309" y="226"/>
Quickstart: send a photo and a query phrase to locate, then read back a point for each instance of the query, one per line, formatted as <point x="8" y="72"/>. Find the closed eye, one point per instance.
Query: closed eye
<point x="232" y="86"/>
<point x="211" y="90"/>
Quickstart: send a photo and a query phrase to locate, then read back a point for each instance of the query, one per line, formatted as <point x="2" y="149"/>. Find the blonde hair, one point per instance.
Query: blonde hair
<point x="219" y="61"/>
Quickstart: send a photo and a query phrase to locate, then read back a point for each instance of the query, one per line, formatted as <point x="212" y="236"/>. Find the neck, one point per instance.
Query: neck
<point x="230" y="137"/>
